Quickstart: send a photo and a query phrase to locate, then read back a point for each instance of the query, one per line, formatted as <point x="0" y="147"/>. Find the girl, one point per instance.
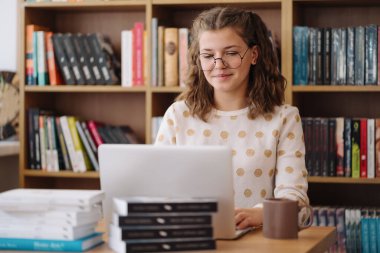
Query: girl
<point x="235" y="97"/>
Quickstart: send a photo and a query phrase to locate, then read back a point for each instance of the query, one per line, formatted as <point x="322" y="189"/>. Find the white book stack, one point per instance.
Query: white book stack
<point x="52" y="220"/>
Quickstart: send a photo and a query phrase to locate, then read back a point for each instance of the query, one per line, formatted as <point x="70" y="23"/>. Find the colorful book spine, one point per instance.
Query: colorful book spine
<point x="138" y="50"/>
<point x="355" y="136"/>
<point x="171" y="57"/>
<point x="363" y="148"/>
<point x="54" y="75"/>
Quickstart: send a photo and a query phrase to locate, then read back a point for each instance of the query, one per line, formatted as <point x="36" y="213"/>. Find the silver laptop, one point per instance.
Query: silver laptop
<point x="170" y="171"/>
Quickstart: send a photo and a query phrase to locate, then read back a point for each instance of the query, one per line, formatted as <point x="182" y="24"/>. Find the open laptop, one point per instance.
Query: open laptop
<point x="170" y="171"/>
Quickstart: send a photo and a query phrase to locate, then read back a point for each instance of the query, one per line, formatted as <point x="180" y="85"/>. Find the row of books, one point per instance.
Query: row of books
<point x="336" y="56"/>
<point x="56" y="58"/>
<point x="154" y="224"/>
<point x="68" y="143"/>
<point x="340" y="146"/>
<point x="358" y="229"/>
<point x="50" y="220"/>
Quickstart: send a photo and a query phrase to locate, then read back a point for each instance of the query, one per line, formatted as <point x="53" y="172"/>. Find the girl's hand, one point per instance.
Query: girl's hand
<point x="248" y="217"/>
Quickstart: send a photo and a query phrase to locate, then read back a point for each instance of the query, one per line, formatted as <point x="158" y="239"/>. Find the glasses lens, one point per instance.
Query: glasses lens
<point x="207" y="61"/>
<point x="232" y="60"/>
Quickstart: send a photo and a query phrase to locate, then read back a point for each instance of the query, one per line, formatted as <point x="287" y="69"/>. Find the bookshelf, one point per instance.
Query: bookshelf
<point x="137" y="105"/>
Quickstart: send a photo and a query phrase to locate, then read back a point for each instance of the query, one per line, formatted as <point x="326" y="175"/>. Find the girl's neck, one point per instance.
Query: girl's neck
<point x="230" y="103"/>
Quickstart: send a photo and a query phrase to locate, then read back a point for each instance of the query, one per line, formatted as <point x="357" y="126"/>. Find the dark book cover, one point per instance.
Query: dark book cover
<point x="350" y="60"/>
<point x="72" y="58"/>
<point x="335" y="44"/>
<point x="316" y="148"/>
<point x="308" y="135"/>
<point x="342" y="55"/>
<point x="320" y="50"/>
<point x="359" y="55"/>
<point x="31" y="138"/>
<point x="63" y="62"/>
<point x="326" y="55"/>
<point x="130" y="233"/>
<point x="370" y="64"/>
<point x="355" y="142"/>
<point x="90" y="140"/>
<point x="312" y="68"/>
<point x="143" y="247"/>
<point x="154" y="220"/>
<point x="347" y="160"/>
<point x="332" y="148"/>
<point x="92" y="60"/>
<point x="82" y="59"/>
<point x="324" y="146"/>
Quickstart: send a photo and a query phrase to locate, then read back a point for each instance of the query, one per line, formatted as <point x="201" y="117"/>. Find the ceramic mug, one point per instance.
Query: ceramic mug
<point x="280" y="218"/>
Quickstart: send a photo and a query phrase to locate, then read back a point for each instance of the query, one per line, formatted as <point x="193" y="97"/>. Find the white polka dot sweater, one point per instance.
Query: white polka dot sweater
<point x="268" y="151"/>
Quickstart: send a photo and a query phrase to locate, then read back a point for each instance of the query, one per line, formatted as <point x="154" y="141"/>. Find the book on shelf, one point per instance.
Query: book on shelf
<point x="377" y="147"/>
<point x="79" y="245"/>
<point x="359" y="55"/>
<point x="161" y="219"/>
<point x="160" y="56"/>
<point x="154" y="50"/>
<point x="138" y="54"/>
<point x="83" y="59"/>
<point x="363" y="148"/>
<point x="131" y="205"/>
<point x="355" y="136"/>
<point x="91" y="154"/>
<point x="183" y="47"/>
<point x="89" y="54"/>
<point x="72" y="57"/>
<point x="171" y="57"/>
<point x="62" y="59"/>
<point x="160" y="232"/>
<point x="126" y="59"/>
<point x="31" y="53"/>
<point x="42" y="70"/>
<point x="55" y="77"/>
<point x="371" y="43"/>
<point x="371" y="148"/>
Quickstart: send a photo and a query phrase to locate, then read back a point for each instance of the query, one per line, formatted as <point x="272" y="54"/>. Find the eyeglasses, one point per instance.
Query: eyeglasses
<point x="230" y="59"/>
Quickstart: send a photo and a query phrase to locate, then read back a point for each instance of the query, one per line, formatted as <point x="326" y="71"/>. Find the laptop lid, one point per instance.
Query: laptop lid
<point x="170" y="171"/>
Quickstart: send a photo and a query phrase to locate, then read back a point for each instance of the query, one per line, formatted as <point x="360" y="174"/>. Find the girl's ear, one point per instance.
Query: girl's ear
<point x="255" y="55"/>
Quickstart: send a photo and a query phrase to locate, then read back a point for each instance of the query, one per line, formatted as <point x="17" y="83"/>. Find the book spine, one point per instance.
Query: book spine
<point x="78" y="146"/>
<point x="309" y="144"/>
<point x="89" y="138"/>
<point x="154" y="66"/>
<point x="342" y="72"/>
<point x="370" y="148"/>
<point x="166" y="233"/>
<point x="161" y="61"/>
<point x="72" y="58"/>
<point x="32" y="145"/>
<point x="317" y="170"/>
<point x="94" y="133"/>
<point x="126" y="58"/>
<point x="76" y="166"/>
<point x="377" y="148"/>
<point x="324" y="147"/>
<point x="62" y="60"/>
<point x="370" y="55"/>
<point x="359" y="55"/>
<point x="183" y="49"/>
<point x="90" y="55"/>
<point x="339" y="140"/>
<point x="327" y="56"/>
<point x="170" y="246"/>
<point x="83" y="63"/>
<point x="54" y="75"/>
<point x="123" y="221"/>
<point x="172" y="207"/>
<point x="42" y="72"/>
<point x="363" y="148"/>
<point x="63" y="149"/>
<point x="29" y="48"/>
<point x="94" y="41"/>
<point x="87" y="147"/>
<point x="350" y="55"/>
<point x="42" y="141"/>
<point x="335" y="39"/>
<point x="355" y="135"/>
<point x="139" y="51"/>
<point x="332" y="148"/>
<point x="312" y="76"/>
<point x="347" y="159"/>
<point x="171" y="57"/>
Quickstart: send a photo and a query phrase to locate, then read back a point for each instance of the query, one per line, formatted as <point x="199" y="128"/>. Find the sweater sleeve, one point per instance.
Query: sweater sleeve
<point x="291" y="173"/>
<point x="166" y="134"/>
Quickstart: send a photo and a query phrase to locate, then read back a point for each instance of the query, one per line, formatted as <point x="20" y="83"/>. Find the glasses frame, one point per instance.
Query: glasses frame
<point x="224" y="64"/>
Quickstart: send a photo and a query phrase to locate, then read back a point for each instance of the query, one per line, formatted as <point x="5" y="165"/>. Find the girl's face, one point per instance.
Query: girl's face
<point x="227" y="75"/>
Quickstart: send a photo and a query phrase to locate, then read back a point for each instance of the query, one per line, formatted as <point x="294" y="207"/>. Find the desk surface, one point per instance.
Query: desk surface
<point x="314" y="239"/>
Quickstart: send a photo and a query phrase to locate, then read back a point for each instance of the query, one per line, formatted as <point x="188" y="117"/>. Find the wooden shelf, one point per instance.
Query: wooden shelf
<point x="343" y="180"/>
<point x="63" y="174"/>
<point x="167" y="89"/>
<point x="85" y="88"/>
<point x="335" y="88"/>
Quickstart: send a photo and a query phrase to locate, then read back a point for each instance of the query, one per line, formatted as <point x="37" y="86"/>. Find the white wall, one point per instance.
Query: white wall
<point x="8" y="31"/>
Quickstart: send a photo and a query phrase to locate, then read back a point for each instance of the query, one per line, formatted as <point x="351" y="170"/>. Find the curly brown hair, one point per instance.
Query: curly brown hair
<point x="266" y="85"/>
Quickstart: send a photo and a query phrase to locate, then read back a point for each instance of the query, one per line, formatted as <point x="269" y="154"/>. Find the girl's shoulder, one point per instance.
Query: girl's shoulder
<point x="285" y="109"/>
<point x="178" y="107"/>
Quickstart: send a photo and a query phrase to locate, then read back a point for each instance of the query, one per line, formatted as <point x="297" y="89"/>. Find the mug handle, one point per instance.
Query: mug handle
<point x="303" y="226"/>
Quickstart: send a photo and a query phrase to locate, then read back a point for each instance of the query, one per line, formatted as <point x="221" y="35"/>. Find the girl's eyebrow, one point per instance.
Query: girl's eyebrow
<point x="225" y="48"/>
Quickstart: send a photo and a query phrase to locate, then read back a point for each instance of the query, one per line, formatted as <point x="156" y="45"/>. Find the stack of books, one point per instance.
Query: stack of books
<point x="145" y="224"/>
<point x="50" y="220"/>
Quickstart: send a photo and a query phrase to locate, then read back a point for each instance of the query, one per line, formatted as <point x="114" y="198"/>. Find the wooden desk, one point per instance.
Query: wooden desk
<point x="311" y="240"/>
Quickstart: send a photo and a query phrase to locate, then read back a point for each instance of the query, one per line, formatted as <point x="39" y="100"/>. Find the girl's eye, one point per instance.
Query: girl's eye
<point x="206" y="56"/>
<point x="231" y="53"/>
